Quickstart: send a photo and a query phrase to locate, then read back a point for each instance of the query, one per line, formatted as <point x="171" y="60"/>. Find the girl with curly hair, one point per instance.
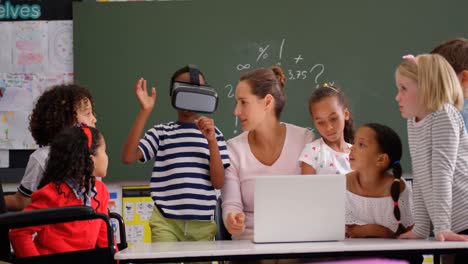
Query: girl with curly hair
<point x="77" y="154"/>
<point x="59" y="107"/>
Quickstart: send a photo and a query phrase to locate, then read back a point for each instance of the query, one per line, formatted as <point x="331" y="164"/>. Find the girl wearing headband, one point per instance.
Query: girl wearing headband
<point x="332" y="119"/>
<point x="77" y="155"/>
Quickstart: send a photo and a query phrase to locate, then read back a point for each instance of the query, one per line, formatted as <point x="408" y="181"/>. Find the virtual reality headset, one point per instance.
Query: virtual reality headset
<point x="193" y="96"/>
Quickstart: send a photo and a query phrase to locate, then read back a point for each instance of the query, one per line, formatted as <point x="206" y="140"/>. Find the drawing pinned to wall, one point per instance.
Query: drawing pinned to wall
<point x="5" y="47"/>
<point x="115" y="198"/>
<point x="42" y="81"/>
<point x="144" y="209"/>
<point x="137" y="209"/>
<point x="129" y="211"/>
<point x="60" y="35"/>
<point x="4" y="158"/>
<point x="135" y="234"/>
<point x="16" y="89"/>
<point x="14" y="132"/>
<point x="30" y="46"/>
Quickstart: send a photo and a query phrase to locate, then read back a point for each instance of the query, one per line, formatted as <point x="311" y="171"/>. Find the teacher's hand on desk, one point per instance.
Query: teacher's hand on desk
<point x="235" y="223"/>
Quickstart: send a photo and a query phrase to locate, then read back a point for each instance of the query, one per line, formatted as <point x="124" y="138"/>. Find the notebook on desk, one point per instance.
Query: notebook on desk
<point x="299" y="208"/>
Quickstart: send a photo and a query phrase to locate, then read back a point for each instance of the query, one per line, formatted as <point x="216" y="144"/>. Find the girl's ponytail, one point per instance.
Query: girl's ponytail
<point x="395" y="192"/>
<point x="389" y="143"/>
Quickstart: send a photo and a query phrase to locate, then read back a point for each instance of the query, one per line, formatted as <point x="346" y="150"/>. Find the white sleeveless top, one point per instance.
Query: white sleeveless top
<point x="362" y="210"/>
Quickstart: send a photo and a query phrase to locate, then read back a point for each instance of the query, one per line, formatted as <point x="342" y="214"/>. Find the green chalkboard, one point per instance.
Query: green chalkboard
<point x="357" y="44"/>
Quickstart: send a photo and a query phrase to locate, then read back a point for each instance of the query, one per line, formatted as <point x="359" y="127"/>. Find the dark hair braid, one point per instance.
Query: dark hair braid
<point x="390" y="144"/>
<point x="395" y="192"/>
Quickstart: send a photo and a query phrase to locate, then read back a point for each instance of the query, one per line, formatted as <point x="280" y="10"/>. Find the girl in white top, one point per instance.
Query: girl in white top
<point x="430" y="97"/>
<point x="378" y="203"/>
<point x="331" y="117"/>
<point x="267" y="147"/>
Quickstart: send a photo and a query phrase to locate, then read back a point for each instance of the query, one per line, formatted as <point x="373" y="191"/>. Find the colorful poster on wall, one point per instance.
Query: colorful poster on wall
<point x="34" y="55"/>
<point x="43" y="81"/>
<point x="30" y="47"/>
<point x="60" y="35"/>
<point x="36" y="52"/>
<point x="136" y="211"/>
<point x="16" y="91"/>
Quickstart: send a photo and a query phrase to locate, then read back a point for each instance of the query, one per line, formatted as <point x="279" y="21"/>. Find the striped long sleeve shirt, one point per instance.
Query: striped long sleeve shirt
<point x="439" y="154"/>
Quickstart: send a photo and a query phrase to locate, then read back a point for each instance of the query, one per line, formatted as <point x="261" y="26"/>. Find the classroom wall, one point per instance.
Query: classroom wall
<point x="35" y="52"/>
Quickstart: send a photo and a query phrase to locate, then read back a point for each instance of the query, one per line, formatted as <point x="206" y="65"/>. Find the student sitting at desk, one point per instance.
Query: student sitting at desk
<point x="332" y="119"/>
<point x="378" y="203"/>
<point x="77" y="155"/>
<point x="267" y="147"/>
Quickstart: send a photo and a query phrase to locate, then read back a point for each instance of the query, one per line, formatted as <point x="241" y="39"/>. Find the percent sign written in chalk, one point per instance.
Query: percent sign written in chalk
<point x="262" y="52"/>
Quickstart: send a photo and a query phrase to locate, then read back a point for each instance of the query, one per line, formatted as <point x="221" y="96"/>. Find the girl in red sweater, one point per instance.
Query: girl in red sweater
<point x="77" y="155"/>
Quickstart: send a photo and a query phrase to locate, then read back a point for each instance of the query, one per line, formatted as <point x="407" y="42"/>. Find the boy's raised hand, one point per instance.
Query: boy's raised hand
<point x="207" y="127"/>
<point x="235" y="223"/>
<point x="146" y="102"/>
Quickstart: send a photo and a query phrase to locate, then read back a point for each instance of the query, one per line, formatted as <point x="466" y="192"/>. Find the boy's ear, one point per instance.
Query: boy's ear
<point x="464" y="79"/>
<point x="383" y="160"/>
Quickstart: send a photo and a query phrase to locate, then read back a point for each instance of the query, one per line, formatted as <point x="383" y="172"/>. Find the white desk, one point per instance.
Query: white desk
<point x="244" y="249"/>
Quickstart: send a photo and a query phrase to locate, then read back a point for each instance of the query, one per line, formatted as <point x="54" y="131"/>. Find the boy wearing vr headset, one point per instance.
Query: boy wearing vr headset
<point x="190" y="158"/>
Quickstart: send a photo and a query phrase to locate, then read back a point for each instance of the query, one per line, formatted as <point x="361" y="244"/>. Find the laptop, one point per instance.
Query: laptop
<point x="299" y="208"/>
